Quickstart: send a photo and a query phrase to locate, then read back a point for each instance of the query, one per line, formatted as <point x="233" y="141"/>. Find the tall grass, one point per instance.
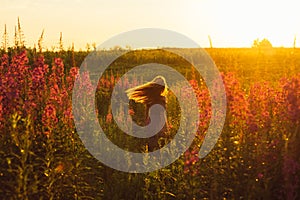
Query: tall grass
<point x="256" y="157"/>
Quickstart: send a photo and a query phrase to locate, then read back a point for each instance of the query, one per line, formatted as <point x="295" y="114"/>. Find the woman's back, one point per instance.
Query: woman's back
<point x="152" y="96"/>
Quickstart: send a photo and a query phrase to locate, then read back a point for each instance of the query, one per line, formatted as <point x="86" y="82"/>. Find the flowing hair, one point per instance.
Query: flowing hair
<point x="150" y="92"/>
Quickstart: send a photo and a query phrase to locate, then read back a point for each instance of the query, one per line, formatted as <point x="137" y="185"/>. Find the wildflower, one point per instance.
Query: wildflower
<point x="49" y="117"/>
<point x="131" y="112"/>
<point x="191" y="158"/>
<point x="109" y="118"/>
<point x="260" y="175"/>
<point x="71" y="77"/>
<point x="60" y="167"/>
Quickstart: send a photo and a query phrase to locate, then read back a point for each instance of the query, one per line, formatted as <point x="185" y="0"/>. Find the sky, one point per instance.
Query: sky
<point x="229" y="23"/>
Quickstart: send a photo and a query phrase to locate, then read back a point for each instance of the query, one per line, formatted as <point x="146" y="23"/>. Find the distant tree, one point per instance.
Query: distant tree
<point x="94" y="45"/>
<point x="264" y="43"/>
<point x="116" y="48"/>
<point x="128" y="47"/>
<point x="255" y="43"/>
<point x="88" y="47"/>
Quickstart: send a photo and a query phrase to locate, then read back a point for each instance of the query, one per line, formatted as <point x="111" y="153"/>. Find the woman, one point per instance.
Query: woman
<point x="149" y="94"/>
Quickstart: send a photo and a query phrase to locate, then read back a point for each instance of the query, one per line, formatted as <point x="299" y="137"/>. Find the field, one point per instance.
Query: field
<point x="256" y="157"/>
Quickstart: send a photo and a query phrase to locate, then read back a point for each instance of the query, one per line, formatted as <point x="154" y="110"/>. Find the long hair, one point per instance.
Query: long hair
<point x="150" y="92"/>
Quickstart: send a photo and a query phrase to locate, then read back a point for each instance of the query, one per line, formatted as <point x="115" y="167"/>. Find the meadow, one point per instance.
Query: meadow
<point x="256" y="157"/>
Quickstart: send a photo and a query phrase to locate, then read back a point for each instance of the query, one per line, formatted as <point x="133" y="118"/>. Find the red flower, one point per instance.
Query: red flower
<point x="109" y="118"/>
<point x="131" y="112"/>
<point x="260" y="175"/>
<point x="49" y="117"/>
